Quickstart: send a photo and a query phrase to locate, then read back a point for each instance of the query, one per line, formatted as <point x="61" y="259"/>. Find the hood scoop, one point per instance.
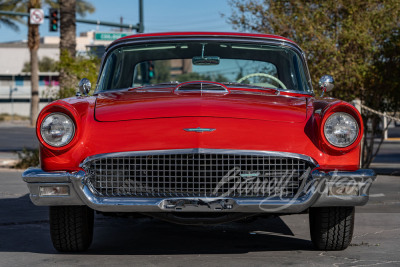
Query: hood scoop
<point x="201" y="87"/>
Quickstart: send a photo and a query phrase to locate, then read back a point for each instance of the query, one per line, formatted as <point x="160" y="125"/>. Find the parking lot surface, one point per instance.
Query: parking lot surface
<point x="25" y="239"/>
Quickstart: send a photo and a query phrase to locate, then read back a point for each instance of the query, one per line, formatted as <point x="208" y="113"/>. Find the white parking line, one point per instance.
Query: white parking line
<point x="377" y="195"/>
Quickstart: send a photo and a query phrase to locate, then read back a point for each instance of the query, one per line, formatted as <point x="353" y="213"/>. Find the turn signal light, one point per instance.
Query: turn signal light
<point x="343" y="190"/>
<point x="54" y="191"/>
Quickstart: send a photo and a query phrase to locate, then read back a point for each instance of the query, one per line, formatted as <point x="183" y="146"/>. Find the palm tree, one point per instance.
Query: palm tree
<point x="13" y="6"/>
<point x="33" y="44"/>
<point x="67" y="36"/>
<point x="82" y="7"/>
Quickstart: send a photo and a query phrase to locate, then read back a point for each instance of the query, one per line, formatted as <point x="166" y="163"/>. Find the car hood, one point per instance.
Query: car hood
<point x="150" y="104"/>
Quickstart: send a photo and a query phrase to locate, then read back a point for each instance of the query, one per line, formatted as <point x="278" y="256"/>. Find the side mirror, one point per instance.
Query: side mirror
<point x="84" y="87"/>
<point x="326" y="83"/>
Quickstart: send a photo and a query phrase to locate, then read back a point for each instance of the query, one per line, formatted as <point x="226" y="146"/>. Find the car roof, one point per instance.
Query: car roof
<point x="195" y="34"/>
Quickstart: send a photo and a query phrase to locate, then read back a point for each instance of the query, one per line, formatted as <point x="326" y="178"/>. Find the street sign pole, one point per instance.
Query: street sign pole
<point x="36" y="16"/>
<point x="86" y="21"/>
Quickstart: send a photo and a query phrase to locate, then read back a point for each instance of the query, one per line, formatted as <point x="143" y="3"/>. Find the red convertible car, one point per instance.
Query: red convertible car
<point x="200" y="128"/>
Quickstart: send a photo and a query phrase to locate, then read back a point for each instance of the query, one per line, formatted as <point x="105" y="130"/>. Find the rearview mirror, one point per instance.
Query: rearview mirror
<point x="207" y="60"/>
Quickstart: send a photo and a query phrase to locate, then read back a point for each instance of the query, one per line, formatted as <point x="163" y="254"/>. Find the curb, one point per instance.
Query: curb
<point x="8" y="159"/>
<point x="8" y="163"/>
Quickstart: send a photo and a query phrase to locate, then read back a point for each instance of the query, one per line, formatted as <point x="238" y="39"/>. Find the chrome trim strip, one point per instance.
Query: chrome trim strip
<point x="199" y="130"/>
<point x="179" y="88"/>
<point x="358" y="174"/>
<point x="201" y="151"/>
<point x="34" y="175"/>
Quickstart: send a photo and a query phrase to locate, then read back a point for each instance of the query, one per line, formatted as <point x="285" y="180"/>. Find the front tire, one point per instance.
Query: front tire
<point x="331" y="228"/>
<point x="71" y="228"/>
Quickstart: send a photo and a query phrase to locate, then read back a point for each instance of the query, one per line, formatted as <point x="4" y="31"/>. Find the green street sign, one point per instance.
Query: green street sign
<point x="109" y="36"/>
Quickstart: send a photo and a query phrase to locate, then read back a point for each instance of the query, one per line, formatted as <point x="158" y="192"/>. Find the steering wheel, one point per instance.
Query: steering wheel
<point x="263" y="75"/>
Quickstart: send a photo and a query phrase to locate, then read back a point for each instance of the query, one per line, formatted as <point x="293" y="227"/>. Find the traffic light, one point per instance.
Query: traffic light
<point x="53" y="19"/>
<point x="151" y="70"/>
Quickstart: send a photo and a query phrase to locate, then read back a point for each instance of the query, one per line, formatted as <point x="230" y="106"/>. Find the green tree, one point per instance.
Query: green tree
<point x="357" y="42"/>
<point x="46" y="64"/>
<point x="162" y="71"/>
<point x="77" y="68"/>
<point x="68" y="10"/>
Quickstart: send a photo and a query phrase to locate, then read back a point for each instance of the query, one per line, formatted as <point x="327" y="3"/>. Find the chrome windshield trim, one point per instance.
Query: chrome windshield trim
<point x="199" y="130"/>
<point x="200" y="151"/>
<point x="204" y="38"/>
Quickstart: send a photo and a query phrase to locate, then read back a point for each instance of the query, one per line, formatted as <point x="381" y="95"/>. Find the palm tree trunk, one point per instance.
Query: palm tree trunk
<point x="33" y="44"/>
<point x="67" y="38"/>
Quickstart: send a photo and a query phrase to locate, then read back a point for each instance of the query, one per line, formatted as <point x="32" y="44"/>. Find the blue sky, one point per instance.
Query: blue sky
<point x="159" y="16"/>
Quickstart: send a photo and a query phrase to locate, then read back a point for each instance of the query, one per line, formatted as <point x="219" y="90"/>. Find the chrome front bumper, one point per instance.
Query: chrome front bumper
<point x="319" y="194"/>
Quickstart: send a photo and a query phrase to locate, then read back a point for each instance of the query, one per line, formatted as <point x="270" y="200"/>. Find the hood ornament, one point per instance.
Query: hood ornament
<point x="199" y="130"/>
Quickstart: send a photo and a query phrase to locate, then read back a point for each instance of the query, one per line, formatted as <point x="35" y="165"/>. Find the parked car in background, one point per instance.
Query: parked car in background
<point x="200" y="128"/>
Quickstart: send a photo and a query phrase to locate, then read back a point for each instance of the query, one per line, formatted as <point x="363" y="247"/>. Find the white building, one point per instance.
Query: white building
<point x="15" y="85"/>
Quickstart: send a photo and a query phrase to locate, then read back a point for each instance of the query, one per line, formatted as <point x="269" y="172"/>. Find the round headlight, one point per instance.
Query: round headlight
<point x="57" y="129"/>
<point x="341" y="129"/>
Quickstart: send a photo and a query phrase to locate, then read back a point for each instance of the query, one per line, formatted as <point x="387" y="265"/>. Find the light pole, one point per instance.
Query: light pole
<point x="12" y="101"/>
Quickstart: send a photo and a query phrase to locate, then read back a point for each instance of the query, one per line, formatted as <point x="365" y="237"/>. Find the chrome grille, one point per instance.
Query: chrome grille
<point x="196" y="175"/>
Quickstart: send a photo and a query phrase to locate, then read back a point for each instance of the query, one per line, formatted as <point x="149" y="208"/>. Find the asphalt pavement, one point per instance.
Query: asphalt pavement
<point x="25" y="238"/>
<point x="16" y="136"/>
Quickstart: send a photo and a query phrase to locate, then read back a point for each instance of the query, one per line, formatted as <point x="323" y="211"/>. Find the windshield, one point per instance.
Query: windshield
<point x="270" y="66"/>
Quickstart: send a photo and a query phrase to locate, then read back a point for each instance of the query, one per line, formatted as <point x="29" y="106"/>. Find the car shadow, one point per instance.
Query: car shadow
<point x="24" y="228"/>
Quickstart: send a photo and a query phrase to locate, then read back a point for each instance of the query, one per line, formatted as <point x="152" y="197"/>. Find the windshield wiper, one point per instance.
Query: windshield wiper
<point x="154" y="85"/>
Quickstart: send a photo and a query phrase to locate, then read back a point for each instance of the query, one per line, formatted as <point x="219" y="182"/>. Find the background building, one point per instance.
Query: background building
<point x="15" y="85"/>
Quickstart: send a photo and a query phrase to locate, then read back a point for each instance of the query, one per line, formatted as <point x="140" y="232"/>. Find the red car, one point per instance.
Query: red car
<point x="200" y="128"/>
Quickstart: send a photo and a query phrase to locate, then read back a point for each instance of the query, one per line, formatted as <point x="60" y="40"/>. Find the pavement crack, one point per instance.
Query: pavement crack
<point x="356" y="262"/>
<point x="375" y="233"/>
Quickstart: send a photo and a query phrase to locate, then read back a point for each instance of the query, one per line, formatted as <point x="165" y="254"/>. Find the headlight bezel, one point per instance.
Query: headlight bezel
<point x="49" y="143"/>
<point x="331" y="108"/>
<point x="324" y="129"/>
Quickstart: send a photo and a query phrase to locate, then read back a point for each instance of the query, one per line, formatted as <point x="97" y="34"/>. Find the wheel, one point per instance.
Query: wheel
<point x="71" y="228"/>
<point x="331" y="228"/>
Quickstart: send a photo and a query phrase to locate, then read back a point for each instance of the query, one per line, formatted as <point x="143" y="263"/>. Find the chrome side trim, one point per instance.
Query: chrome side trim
<point x="200" y="151"/>
<point x="34" y="175"/>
